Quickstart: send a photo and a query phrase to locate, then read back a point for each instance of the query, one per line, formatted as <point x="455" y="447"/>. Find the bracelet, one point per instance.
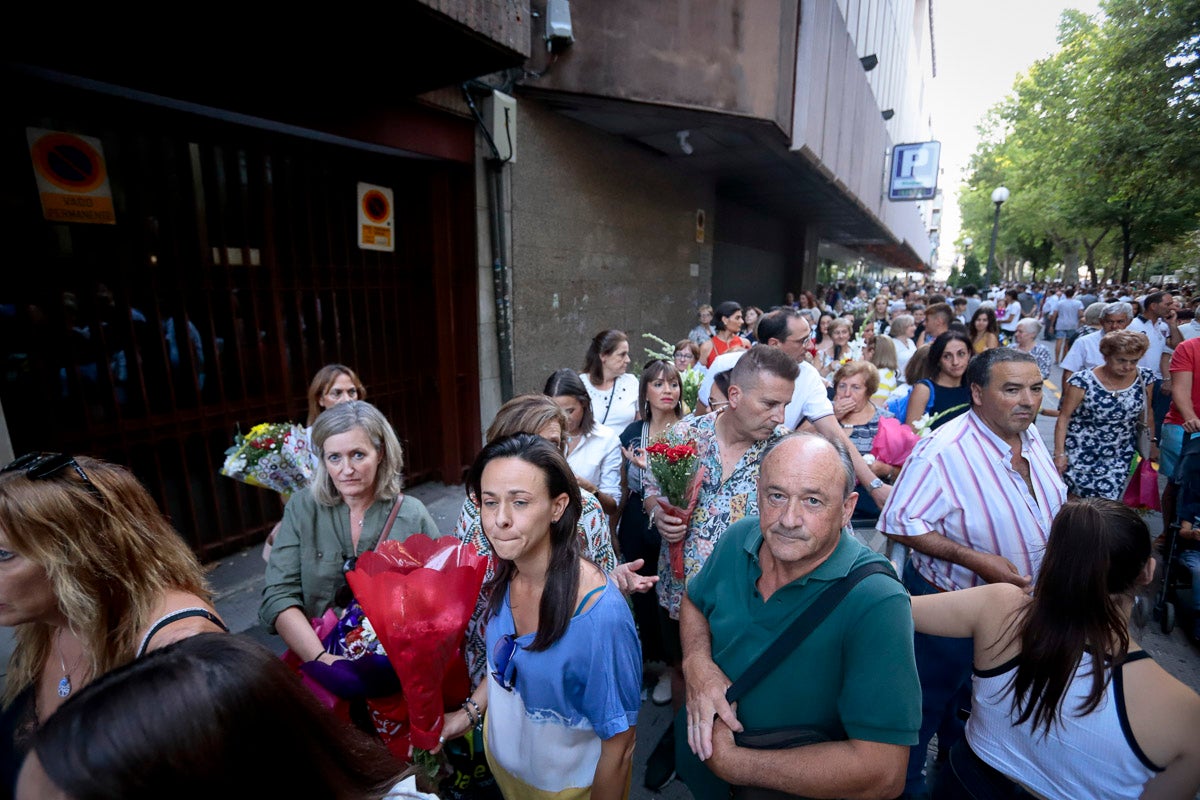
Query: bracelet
<point x="471" y="716"/>
<point x="1060" y="455"/>
<point x="478" y="710"/>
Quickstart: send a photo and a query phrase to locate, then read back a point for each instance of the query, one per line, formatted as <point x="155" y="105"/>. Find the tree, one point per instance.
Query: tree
<point x="1096" y="140"/>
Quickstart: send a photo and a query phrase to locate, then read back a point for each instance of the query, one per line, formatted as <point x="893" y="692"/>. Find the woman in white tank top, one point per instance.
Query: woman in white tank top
<point x="1044" y="722"/>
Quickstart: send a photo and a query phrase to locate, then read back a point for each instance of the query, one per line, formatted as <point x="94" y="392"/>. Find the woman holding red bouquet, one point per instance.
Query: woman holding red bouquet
<point x="661" y="406"/>
<point x="564" y="664"/>
<point x="347" y="511"/>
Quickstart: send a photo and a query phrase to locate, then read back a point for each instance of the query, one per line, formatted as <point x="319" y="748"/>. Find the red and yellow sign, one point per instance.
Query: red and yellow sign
<point x="375" y="223"/>
<point x="72" y="177"/>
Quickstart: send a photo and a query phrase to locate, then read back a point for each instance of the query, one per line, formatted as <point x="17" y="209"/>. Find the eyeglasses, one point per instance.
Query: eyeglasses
<point x="39" y="466"/>
<point x="505" y="672"/>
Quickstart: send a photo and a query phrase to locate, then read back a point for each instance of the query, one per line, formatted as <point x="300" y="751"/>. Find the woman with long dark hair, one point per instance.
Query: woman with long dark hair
<point x="612" y="389"/>
<point x="984" y="330"/>
<point x="564" y="665"/>
<point x="593" y="449"/>
<point x="943" y="389"/>
<point x="728" y="324"/>
<point x="661" y="406"/>
<point x="1065" y="704"/>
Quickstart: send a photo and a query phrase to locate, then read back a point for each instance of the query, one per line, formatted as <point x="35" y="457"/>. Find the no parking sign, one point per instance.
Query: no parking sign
<point x="375" y="218"/>
<point x="72" y="177"/>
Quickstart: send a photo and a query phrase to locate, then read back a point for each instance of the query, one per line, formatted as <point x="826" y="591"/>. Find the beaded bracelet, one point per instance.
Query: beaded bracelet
<point x="476" y="718"/>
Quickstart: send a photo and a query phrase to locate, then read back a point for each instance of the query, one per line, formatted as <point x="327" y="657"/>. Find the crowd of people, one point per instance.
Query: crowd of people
<point x="752" y="608"/>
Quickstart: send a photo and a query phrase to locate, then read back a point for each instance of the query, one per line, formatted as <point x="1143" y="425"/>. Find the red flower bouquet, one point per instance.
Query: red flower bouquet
<point x="418" y="596"/>
<point x="676" y="467"/>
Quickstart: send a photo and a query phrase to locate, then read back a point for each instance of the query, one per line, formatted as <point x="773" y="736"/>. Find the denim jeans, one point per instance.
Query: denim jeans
<point x="944" y="669"/>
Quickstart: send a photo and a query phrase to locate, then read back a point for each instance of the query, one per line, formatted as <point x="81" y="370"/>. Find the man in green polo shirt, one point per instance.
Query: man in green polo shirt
<point x="854" y="678"/>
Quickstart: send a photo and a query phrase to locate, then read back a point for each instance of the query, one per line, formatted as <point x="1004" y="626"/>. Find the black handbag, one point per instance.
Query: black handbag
<point x="788" y="737"/>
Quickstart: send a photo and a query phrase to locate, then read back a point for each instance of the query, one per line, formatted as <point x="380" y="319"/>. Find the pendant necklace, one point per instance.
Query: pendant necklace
<point x="64" y="685"/>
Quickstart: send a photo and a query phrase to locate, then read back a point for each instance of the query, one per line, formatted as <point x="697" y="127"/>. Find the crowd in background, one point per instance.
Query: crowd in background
<point x="599" y="594"/>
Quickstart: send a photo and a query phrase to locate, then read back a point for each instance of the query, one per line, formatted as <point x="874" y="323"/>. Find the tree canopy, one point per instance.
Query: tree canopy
<point x="1099" y="144"/>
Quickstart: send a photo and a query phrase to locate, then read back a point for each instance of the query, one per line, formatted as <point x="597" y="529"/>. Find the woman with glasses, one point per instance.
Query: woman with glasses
<point x="354" y="503"/>
<point x="561" y="699"/>
<point x="92" y="576"/>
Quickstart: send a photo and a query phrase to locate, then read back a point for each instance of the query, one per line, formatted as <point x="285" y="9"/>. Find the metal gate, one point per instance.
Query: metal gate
<point x="231" y="276"/>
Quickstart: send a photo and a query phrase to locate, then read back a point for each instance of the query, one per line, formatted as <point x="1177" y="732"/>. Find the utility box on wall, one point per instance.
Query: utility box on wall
<point x="500" y="117"/>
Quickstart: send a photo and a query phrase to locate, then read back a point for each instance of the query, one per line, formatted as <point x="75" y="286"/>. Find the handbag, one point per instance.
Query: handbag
<point x="1142" y="491"/>
<point x="787" y="737"/>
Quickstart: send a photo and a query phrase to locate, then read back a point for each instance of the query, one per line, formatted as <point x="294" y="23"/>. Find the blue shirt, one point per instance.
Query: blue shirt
<point x="544" y="734"/>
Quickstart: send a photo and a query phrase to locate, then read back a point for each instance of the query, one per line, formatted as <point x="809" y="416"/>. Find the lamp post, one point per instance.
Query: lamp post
<point x="998" y="197"/>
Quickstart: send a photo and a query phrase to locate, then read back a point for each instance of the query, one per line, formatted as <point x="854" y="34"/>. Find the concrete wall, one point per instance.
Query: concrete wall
<point x="505" y="22"/>
<point x="750" y="258"/>
<point x="734" y="56"/>
<point x="837" y="123"/>
<point x="603" y="233"/>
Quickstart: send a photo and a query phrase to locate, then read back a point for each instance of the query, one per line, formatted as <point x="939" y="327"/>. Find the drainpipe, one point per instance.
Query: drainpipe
<point x="501" y="276"/>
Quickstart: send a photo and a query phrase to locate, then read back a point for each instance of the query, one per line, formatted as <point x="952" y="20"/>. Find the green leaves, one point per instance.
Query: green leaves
<point x="1099" y="137"/>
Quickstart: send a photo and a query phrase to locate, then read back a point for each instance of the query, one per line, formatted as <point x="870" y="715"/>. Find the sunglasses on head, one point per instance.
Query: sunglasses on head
<point x="505" y="672"/>
<point x="40" y="466"/>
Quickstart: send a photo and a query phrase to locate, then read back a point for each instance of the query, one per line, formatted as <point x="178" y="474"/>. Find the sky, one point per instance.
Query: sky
<point x="980" y="47"/>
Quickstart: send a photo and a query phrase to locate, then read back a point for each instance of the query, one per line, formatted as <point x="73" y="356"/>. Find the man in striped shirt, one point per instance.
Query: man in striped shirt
<point x="974" y="502"/>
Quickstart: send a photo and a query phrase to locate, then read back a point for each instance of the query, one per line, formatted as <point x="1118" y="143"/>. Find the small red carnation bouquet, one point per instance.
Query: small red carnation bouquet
<point x="675" y="464"/>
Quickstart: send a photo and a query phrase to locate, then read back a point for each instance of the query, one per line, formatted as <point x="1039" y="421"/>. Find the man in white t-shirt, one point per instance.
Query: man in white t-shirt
<point x="1066" y="322"/>
<point x="1158" y="323"/>
<point x="790" y="332"/>
<point x="1085" y="353"/>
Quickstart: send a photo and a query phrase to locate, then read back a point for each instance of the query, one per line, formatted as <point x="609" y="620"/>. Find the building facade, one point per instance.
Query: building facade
<point x="656" y="156"/>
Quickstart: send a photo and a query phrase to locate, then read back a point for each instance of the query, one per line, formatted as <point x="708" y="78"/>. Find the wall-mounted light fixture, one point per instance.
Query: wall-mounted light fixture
<point x="869" y="62"/>
<point x="888" y="113"/>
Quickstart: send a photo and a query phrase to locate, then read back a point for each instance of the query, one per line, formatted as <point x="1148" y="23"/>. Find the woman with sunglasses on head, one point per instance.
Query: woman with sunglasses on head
<point x="92" y="576"/>
<point x="538" y="414"/>
<point x="355" y="502"/>
<point x="561" y="699"/>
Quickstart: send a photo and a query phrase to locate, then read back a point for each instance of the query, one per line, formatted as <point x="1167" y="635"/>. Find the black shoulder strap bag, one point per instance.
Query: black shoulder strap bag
<point x="788" y="641"/>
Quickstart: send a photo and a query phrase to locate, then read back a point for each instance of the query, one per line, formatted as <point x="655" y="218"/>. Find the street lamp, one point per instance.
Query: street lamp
<point x="998" y="197"/>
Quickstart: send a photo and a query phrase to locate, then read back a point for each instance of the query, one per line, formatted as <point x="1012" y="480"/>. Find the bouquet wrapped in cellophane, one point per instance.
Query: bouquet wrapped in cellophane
<point x="418" y="596"/>
<point x="676" y="466"/>
<point x="273" y="455"/>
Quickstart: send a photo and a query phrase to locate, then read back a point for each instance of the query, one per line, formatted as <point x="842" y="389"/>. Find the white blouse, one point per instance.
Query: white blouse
<point x="616" y="407"/>
<point x="597" y="458"/>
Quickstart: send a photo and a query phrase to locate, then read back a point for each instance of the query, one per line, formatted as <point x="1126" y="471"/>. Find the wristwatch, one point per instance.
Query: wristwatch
<point x="875" y="484"/>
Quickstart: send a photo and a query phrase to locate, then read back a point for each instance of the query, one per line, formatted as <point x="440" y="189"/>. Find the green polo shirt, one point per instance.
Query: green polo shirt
<point x="854" y="677"/>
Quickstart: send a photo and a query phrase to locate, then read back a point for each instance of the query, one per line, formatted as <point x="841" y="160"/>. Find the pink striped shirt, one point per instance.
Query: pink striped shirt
<point x="960" y="483"/>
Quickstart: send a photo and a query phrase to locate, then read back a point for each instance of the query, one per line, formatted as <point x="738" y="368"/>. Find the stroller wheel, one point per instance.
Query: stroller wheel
<point x="1168" y="617"/>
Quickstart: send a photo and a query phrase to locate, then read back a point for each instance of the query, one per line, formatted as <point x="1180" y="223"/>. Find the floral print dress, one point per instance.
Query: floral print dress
<point x="1102" y="435"/>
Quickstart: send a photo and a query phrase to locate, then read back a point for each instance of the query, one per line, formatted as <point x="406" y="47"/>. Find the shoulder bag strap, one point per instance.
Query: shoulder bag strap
<point x="801" y="627"/>
<point x="387" y="526"/>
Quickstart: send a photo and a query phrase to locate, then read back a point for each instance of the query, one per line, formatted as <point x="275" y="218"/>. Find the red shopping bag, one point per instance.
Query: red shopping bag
<point x="1142" y="491"/>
